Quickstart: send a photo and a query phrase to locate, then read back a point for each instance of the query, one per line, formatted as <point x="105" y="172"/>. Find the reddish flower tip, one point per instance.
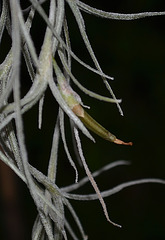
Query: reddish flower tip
<point x="118" y="141"/>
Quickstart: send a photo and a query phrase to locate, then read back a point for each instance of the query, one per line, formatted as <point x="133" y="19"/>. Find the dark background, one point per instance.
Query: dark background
<point x="133" y="52"/>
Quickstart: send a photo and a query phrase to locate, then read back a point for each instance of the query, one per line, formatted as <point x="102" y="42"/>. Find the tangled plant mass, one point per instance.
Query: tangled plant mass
<point x="45" y="72"/>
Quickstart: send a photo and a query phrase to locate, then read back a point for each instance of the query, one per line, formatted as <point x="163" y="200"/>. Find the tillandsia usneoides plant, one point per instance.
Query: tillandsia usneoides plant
<point x="51" y="68"/>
